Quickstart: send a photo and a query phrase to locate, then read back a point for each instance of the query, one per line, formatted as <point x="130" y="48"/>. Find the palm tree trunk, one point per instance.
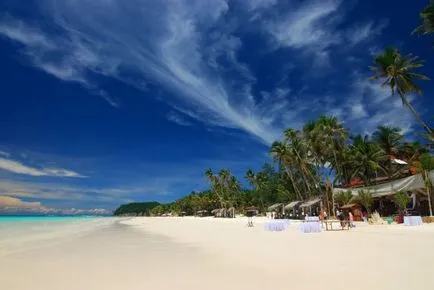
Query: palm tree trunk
<point x="428" y="190"/>
<point x="291" y="177"/>
<point x="416" y="115"/>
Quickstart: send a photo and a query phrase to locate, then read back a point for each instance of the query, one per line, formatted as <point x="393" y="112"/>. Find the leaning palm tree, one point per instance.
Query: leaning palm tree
<point x="280" y="151"/>
<point x="397" y="72"/>
<point x="427" y="17"/>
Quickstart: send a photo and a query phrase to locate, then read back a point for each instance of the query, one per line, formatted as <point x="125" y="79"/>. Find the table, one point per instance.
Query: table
<point x="276" y="225"/>
<point x="329" y="225"/>
<point x="412" y="220"/>
<point x="310" y="226"/>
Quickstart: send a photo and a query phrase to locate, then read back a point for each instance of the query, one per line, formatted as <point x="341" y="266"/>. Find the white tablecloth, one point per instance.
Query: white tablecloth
<point x="310" y="227"/>
<point x="413" y="220"/>
<point x="312" y="218"/>
<point x="276" y="225"/>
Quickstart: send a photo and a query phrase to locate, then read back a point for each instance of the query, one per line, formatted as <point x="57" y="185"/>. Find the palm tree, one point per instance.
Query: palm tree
<point x="397" y="72"/>
<point x="281" y="153"/>
<point x="364" y="197"/>
<point x="401" y="199"/>
<point x="425" y="164"/>
<point x="427" y="17"/>
<point x="344" y="197"/>
<point x="388" y="138"/>
<point x="215" y="185"/>
<point x="326" y="138"/>
<point x="367" y="158"/>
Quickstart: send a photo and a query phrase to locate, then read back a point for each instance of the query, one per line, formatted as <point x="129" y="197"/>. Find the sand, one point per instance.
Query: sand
<point x="366" y="257"/>
<point x="206" y="253"/>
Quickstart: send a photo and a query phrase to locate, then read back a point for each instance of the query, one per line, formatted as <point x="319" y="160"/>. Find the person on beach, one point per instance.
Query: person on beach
<point x="351" y="219"/>
<point x="325" y="214"/>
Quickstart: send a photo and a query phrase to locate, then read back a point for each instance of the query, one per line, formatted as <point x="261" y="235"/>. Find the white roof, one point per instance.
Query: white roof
<point x="405" y="184"/>
<point x="310" y="202"/>
<point x="292" y="204"/>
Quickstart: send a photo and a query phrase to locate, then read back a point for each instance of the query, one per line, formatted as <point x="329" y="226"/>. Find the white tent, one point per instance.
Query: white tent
<point x="291" y="205"/>
<point x="405" y="184"/>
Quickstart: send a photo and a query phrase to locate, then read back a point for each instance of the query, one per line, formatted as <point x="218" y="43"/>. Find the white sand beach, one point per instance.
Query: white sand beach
<point x="207" y="253"/>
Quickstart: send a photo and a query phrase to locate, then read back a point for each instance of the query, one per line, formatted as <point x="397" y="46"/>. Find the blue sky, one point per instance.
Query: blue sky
<point x="106" y="101"/>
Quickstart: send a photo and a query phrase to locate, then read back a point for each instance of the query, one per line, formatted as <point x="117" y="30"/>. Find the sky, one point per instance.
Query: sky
<point x="106" y="101"/>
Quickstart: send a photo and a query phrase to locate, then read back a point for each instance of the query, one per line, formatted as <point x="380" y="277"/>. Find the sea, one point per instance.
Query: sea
<point x="23" y="232"/>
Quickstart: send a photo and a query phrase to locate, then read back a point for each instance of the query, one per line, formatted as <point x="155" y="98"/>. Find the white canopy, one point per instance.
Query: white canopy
<point x="405" y="184"/>
<point x="275" y="206"/>
<point x="291" y="205"/>
<point x="310" y="203"/>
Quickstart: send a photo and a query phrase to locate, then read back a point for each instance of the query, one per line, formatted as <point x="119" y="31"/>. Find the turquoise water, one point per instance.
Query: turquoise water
<point x="19" y="233"/>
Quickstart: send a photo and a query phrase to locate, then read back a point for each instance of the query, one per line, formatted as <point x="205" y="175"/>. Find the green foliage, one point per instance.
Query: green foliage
<point x="401" y="199"/>
<point x="426" y="162"/>
<point x="365" y="198"/>
<point x="136" y="208"/>
<point x="427" y="17"/>
<point x="303" y="164"/>
<point x="366" y="158"/>
<point x="397" y="72"/>
<point x="344" y="197"/>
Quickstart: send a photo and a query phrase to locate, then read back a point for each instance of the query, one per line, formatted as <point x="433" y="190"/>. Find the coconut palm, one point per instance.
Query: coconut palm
<point x="397" y="72"/>
<point x="367" y="157"/>
<point x="281" y="153"/>
<point x="215" y="185"/>
<point x="388" y="139"/>
<point x="427" y="17"/>
<point x="364" y="197"/>
<point x="401" y="199"/>
<point x="326" y="138"/>
<point x="344" y="197"/>
<point x="424" y="166"/>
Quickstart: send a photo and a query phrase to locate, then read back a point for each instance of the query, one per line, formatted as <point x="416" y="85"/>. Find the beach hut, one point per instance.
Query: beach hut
<point x="312" y="206"/>
<point x="383" y="193"/>
<point x="202" y="213"/>
<point x="292" y="208"/>
<point x="218" y="212"/>
<point x="276" y="210"/>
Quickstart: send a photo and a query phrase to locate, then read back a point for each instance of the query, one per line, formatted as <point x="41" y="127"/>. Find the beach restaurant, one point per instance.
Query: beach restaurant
<point x="383" y="194"/>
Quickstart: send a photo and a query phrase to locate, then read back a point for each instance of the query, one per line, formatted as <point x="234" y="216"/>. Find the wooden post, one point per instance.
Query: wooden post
<point x="327" y="199"/>
<point x="428" y="191"/>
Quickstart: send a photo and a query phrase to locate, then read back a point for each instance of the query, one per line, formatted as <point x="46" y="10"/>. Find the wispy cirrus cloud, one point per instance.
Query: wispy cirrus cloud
<point x="20" y="168"/>
<point x="313" y="27"/>
<point x="193" y="52"/>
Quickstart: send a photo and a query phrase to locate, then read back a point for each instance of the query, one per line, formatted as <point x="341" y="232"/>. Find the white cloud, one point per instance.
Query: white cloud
<point x="171" y="54"/>
<point x="307" y="25"/>
<point x="10" y="204"/>
<point x="259" y="4"/>
<point x="176" y="118"/>
<point x="16" y="203"/>
<point x="19" y="168"/>
<point x="180" y="45"/>
<point x="4" y="154"/>
<point x="362" y="32"/>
